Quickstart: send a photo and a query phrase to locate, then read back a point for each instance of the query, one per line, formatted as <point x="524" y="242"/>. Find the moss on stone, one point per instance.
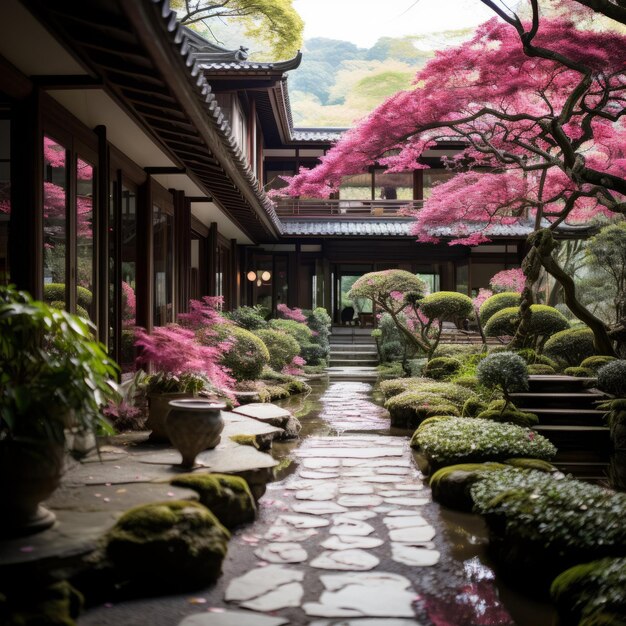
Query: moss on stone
<point x="540" y="369"/>
<point x="245" y="440"/>
<point x="451" y="485"/>
<point x="56" y="605"/>
<point x="578" y="372"/>
<point x="442" y="367"/>
<point x="296" y="386"/>
<point x="497" y="413"/>
<point x="469" y="382"/>
<point x="595" y="362"/>
<point x="534" y="464"/>
<point x="395" y="386"/>
<point x="592" y="592"/>
<point x="167" y="546"/>
<point x="227" y="497"/>
<point x="276" y="392"/>
<point x="473" y="406"/>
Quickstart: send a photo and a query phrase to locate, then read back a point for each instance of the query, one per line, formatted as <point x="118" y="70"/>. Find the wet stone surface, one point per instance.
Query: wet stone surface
<point x="350" y="537"/>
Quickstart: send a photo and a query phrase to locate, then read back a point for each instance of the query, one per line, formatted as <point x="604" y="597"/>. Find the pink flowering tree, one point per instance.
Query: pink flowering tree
<point x="291" y="314"/>
<point x="508" y="280"/>
<point x="538" y="106"/>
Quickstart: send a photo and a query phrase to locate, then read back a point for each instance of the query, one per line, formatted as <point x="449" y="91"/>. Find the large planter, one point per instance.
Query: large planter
<point x="194" y="425"/>
<point x="158" y="408"/>
<point x="29" y="473"/>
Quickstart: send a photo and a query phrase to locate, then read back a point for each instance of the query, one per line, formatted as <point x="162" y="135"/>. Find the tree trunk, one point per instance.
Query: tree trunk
<point x="531" y="265"/>
<point x="543" y="245"/>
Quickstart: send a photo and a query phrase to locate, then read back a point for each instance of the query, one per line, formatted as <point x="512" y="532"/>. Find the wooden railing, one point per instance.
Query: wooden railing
<point x="347" y="209"/>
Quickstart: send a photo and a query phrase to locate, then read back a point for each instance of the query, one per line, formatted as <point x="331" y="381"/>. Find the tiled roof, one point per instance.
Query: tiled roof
<point x="317" y="134"/>
<point x="347" y="228"/>
<point x="206" y="62"/>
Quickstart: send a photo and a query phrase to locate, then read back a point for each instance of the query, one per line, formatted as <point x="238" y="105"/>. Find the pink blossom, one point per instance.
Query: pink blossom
<point x="508" y="280"/>
<point x="295" y="367"/>
<point x="291" y="314"/>
<point x="483" y="294"/>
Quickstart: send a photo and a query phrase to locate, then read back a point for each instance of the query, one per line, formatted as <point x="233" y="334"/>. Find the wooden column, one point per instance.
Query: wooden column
<point x="235" y="281"/>
<point x="26" y="239"/>
<point x="145" y="265"/>
<point x="182" y="246"/>
<point x="102" y="242"/>
<point x="212" y="259"/>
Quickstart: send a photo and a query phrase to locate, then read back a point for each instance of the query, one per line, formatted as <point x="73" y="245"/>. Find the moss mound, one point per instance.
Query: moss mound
<point x="393" y="387"/>
<point x="442" y="367"/>
<point x="473" y="406"/>
<point x="56" y="605"/>
<point x="579" y="372"/>
<point x="540" y="369"/>
<point x="570" y="346"/>
<point x="451" y="485"/>
<point x="228" y="497"/>
<point x="542" y="523"/>
<point x="497" y="413"/>
<point x="594" y="363"/>
<point x="166" y="546"/>
<point x="592" y="593"/>
<point x="544" y="321"/>
<point x="535" y="464"/>
<point x="474" y="440"/>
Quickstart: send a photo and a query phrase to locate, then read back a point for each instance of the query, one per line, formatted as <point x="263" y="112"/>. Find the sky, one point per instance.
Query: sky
<point x="363" y="22"/>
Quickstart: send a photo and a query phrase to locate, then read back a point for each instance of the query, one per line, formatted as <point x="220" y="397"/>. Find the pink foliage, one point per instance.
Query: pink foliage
<point x="483" y="294"/>
<point x="129" y="302"/>
<point x="508" y="280"/>
<point x="291" y="314"/>
<point x="512" y="113"/>
<point x="295" y="367"/>
<point x="203" y="313"/>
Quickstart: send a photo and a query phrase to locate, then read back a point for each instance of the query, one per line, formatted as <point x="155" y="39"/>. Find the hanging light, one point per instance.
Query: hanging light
<point x="251" y="276"/>
<point x="259" y="276"/>
<point x="265" y="276"/>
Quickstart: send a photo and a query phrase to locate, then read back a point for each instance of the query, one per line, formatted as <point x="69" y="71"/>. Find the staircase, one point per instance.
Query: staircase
<point x="352" y="353"/>
<point x="568" y="417"/>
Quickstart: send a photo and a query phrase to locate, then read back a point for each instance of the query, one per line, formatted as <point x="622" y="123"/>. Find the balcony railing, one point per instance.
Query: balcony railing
<point x="346" y="209"/>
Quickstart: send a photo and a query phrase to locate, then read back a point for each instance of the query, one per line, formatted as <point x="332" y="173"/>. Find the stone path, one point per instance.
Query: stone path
<point x="351" y="538"/>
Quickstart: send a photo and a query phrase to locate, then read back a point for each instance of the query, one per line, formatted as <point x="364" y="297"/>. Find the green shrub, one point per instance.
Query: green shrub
<point x="612" y="378"/>
<point x="570" y="346"/>
<point x="55" y="292"/>
<point x="497" y="302"/>
<point x="540" y="369"/>
<point x="592" y="593"/>
<point x="416" y="366"/>
<point x="545" y="523"/>
<point x="313" y="353"/>
<point x="395" y="386"/>
<point x="501" y="411"/>
<point x="504" y="370"/>
<point x="579" y="372"/>
<point x="248" y="317"/>
<point x="457" y="350"/>
<point x="473" y="406"/>
<point x="544" y="322"/>
<point x="447" y="306"/>
<point x="80" y="311"/>
<point x="390" y="371"/>
<point x="594" y="363"/>
<point x="469" y="382"/>
<point x="319" y="322"/>
<point x="300" y="332"/>
<point x="442" y="367"/>
<point x="533" y="358"/>
<point x="473" y="440"/>
<point x="282" y="347"/>
<point x="421" y="407"/>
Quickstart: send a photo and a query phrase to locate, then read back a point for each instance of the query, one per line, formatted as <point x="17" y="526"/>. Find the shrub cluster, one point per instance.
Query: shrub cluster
<point x="545" y="321"/>
<point x="248" y="317"/>
<point x="447" y="306"/>
<point x="570" y="346"/>
<point x="612" y="378"/>
<point x="442" y="367"/>
<point x="282" y="347"/>
<point x="504" y="370"/>
<point x="497" y="302"/>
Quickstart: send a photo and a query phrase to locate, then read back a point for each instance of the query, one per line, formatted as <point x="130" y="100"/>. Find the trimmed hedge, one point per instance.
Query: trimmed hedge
<point x="282" y="347"/>
<point x="55" y="292"/>
<point x="497" y="302"/>
<point x="545" y="321"/>
<point x="540" y="369"/>
<point x="248" y="317"/>
<point x="474" y="440"/>
<point x="504" y="370"/>
<point x="579" y="372"/>
<point x="594" y="363"/>
<point x="612" y="378"/>
<point x="299" y="331"/>
<point x="511" y="415"/>
<point x="570" y="346"/>
<point x="447" y="306"/>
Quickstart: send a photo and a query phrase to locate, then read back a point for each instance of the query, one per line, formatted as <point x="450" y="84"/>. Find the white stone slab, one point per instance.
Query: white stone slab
<point x="356" y="490"/>
<point x="415" y="535"/>
<point x="404" y="462"/>
<point x="285" y="596"/>
<point x="282" y="553"/>
<point x="320" y="493"/>
<point x="404" y="521"/>
<point x="263" y="411"/>
<point x="352" y="453"/>
<point x="232" y="618"/>
<point x="288" y="534"/>
<point x="317" y="474"/>
<point x="400" y="513"/>
<point x="348" y="542"/>
<point x="317" y="463"/>
<point x="318" y="508"/>
<point x="260" y="581"/>
<point x="351" y="515"/>
<point x="409" y="486"/>
<point x="303" y="521"/>
<point x="354" y="501"/>
<point x="353" y="560"/>
<point x="414" y="556"/>
<point x="407" y="501"/>
<point x="352" y="528"/>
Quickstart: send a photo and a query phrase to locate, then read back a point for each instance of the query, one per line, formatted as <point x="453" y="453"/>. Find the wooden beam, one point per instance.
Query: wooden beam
<point x="164" y="170"/>
<point x="62" y="82"/>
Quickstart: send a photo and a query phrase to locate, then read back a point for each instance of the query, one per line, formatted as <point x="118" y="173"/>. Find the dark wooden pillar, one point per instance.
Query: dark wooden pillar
<point x="182" y="246"/>
<point x="212" y="259"/>
<point x="235" y="279"/>
<point x="102" y="242"/>
<point x="26" y="239"/>
<point x="145" y="287"/>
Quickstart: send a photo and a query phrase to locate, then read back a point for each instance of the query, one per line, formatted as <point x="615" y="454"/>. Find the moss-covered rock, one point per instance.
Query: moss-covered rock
<point x="451" y="485"/>
<point x="541" y="524"/>
<point x="539" y="369"/>
<point x="473" y="406"/>
<point x="578" y="372"/>
<point x="277" y="392"/>
<point x="57" y="605"/>
<point x="497" y="412"/>
<point x="395" y="386"/>
<point x="469" y="382"/>
<point x="474" y="440"/>
<point x="227" y="497"/>
<point x="295" y="386"/>
<point x="592" y="593"/>
<point x="534" y="464"/>
<point x="570" y="346"/>
<point x="167" y="546"/>
<point x="442" y="367"/>
<point x="595" y="362"/>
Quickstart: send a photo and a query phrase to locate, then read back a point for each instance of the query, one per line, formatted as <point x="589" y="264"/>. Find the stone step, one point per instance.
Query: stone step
<point x="357" y="340"/>
<point x="352" y="373"/>
<point x="590" y="471"/>
<point x="353" y="362"/>
<point x="369" y="347"/>
<point x="555" y="400"/>
<point x="559" y="383"/>
<point x="352" y="356"/>
<point x="578" y="443"/>
<point x="564" y="417"/>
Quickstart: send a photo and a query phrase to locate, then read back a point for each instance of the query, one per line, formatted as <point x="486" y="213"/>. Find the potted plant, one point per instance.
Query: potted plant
<point x="53" y="375"/>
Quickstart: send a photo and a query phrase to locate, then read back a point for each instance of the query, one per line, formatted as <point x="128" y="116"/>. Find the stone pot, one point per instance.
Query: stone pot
<point x="194" y="425"/>
<point x="29" y="473"/>
<point x="158" y="408"/>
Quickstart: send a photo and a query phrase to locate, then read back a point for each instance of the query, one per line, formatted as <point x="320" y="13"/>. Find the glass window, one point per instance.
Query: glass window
<point x="5" y="198"/>
<point x="462" y="278"/>
<point x="55" y="219"/>
<point x="431" y="280"/>
<point x="163" y="266"/>
<point x="393" y="185"/>
<point x="356" y="187"/>
<point x="84" y="238"/>
<point x="433" y="177"/>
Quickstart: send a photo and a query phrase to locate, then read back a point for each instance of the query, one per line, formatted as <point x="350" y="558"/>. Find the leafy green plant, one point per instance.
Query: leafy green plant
<point x="282" y="347"/>
<point x="612" y="378"/>
<point x="447" y="306"/>
<point x="52" y="372"/>
<point x="497" y="302"/>
<point x="506" y="371"/>
<point x="442" y="367"/>
<point x="579" y="372"/>
<point x="248" y="317"/>
<point x="473" y="440"/>
<point x="594" y="363"/>
<point x="186" y="382"/>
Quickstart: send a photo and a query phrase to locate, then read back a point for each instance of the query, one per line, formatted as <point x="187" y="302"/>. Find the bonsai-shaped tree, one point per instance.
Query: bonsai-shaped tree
<point x="399" y="291"/>
<point x="506" y="371"/>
